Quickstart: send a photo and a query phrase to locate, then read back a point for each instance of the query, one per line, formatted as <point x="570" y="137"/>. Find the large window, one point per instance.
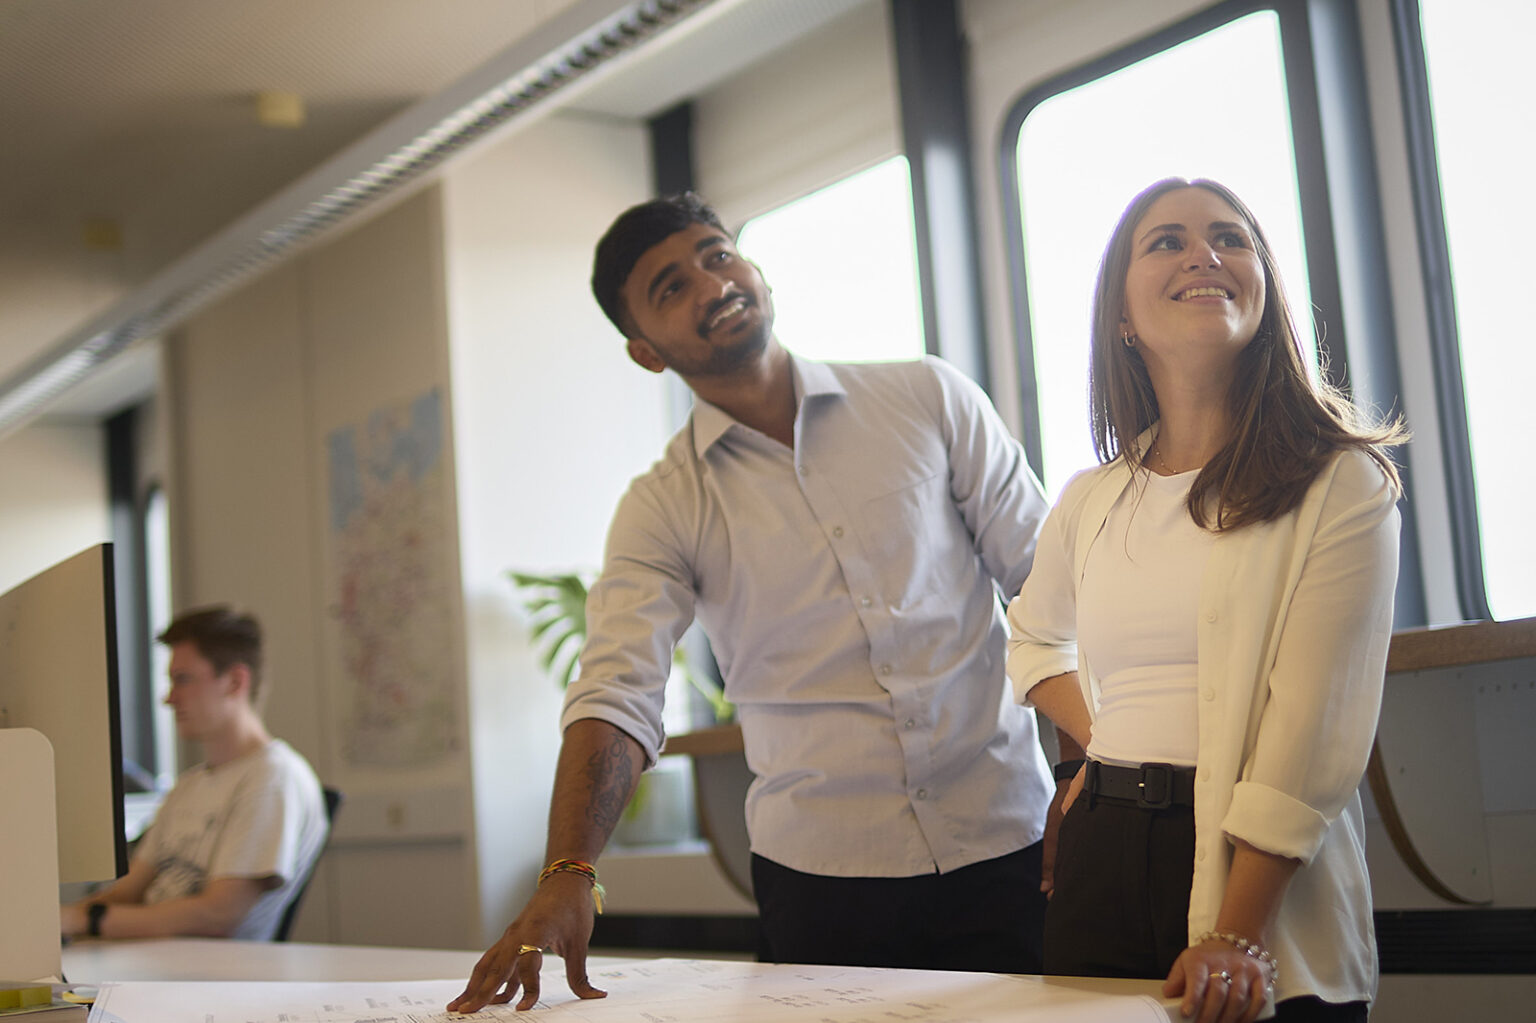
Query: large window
<point x="1214" y="106"/>
<point x="842" y="262"/>
<point x="1481" y="99"/>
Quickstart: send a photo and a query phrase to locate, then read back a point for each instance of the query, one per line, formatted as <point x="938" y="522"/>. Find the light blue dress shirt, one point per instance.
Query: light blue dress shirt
<point x="850" y="590"/>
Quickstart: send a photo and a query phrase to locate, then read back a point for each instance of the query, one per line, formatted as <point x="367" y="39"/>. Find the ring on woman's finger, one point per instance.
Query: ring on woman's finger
<point x="1223" y="976"/>
<point x="523" y="950"/>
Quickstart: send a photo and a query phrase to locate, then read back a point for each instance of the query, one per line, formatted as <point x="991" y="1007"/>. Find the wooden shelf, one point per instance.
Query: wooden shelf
<point x="1473" y="643"/>
<point x="706" y="742"/>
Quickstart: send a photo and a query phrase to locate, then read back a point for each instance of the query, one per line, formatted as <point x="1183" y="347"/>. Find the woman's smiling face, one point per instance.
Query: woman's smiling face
<point x="1195" y="285"/>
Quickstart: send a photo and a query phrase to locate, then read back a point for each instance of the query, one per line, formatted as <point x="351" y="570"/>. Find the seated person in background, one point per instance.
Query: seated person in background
<point x="238" y="834"/>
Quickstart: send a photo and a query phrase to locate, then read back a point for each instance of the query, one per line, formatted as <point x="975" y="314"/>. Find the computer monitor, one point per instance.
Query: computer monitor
<point x="58" y="675"/>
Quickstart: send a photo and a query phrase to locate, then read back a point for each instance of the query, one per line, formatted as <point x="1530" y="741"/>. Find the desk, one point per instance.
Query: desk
<point x="196" y="959"/>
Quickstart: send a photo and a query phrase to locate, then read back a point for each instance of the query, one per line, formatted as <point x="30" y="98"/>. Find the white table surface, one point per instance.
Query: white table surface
<point x="205" y="959"/>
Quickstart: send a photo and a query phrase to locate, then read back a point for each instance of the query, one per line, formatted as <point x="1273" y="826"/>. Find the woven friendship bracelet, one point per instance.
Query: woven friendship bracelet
<point x="1252" y="949"/>
<point x="581" y="867"/>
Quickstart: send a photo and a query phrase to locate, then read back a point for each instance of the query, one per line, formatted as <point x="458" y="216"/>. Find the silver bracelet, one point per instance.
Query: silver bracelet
<point x="1252" y="949"/>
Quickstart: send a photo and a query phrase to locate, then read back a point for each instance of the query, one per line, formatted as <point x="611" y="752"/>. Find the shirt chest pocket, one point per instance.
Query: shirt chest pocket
<point x="916" y="538"/>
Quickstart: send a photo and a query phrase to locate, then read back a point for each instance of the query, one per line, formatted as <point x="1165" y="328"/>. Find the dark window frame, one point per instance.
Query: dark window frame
<point x="1321" y="55"/>
<point x="128" y="506"/>
<point x="1101" y="67"/>
<point x="1440" y="309"/>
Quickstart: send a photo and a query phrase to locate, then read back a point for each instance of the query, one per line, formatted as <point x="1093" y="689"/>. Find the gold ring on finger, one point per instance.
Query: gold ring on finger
<point x="523" y="950"/>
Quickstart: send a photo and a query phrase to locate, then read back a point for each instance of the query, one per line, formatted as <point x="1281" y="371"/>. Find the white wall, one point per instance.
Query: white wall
<point x="552" y="420"/>
<point x="53" y="498"/>
<point x="259" y="383"/>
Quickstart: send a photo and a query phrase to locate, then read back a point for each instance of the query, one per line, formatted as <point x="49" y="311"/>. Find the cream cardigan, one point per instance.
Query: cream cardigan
<point x="1295" y="618"/>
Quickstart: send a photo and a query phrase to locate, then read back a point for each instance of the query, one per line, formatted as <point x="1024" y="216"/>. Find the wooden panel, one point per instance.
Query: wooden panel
<point x="1428" y="741"/>
<point x="706" y="742"/>
<point x="1474" y="643"/>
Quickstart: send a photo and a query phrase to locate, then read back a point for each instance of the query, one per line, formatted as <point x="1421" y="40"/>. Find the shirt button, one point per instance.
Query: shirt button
<point x="885" y="669"/>
<point x="837" y="531"/>
<point x="910" y="723"/>
<point x="1207" y="694"/>
<point x="1210" y="616"/>
<point x="922" y="793"/>
<point x="804" y="471"/>
<point x="865" y="601"/>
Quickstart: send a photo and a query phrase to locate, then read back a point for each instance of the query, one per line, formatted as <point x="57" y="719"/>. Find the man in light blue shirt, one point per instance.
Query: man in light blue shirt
<point x="843" y="533"/>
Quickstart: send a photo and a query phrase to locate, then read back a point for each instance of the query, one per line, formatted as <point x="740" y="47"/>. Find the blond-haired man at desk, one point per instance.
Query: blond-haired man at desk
<point x="237" y="836"/>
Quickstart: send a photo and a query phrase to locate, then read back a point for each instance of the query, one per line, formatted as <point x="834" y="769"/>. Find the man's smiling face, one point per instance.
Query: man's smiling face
<point x="696" y="306"/>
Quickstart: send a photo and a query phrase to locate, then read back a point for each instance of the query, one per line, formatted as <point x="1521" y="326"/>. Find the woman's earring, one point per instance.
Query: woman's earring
<point x="1129" y="339"/>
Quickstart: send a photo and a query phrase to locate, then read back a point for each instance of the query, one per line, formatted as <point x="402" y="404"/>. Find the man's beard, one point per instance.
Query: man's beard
<point x="724" y="359"/>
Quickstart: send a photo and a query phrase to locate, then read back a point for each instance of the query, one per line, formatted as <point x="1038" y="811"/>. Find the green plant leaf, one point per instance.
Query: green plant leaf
<point x="557" y="606"/>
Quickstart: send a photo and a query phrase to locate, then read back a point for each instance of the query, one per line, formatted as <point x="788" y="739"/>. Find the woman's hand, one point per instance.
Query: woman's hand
<point x="1220" y="983"/>
<point x="1074" y="789"/>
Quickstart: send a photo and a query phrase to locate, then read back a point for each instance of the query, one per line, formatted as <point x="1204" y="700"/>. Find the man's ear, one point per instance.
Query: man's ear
<point x="644" y="355"/>
<point x="240" y="679"/>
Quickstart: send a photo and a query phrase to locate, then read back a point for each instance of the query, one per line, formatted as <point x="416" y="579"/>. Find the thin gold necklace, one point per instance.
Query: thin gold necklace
<point x="1157" y="452"/>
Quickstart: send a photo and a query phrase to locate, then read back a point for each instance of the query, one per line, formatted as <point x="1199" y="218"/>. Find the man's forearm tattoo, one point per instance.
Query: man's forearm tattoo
<point x="608" y="773"/>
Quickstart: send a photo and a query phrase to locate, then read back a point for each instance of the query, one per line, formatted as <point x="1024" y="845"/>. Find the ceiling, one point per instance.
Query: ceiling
<point x="131" y="132"/>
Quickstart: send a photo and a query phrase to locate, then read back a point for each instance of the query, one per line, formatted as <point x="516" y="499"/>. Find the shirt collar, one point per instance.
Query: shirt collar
<point x="812" y="380"/>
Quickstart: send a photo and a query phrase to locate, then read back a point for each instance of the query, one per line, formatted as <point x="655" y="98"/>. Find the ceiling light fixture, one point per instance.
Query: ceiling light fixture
<point x="569" y="47"/>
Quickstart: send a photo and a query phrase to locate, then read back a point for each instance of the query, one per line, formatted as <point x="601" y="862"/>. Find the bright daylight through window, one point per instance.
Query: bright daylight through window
<point x="1082" y="154"/>
<point x="843" y="265"/>
<point x="1481" y="97"/>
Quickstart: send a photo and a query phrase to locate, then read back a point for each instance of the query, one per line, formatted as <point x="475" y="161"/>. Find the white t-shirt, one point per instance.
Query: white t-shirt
<point x="1136" y="619"/>
<point x="259" y="816"/>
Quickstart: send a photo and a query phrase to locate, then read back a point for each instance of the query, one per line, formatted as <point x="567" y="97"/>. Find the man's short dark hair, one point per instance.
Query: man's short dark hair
<point x="222" y="636"/>
<point x="636" y="231"/>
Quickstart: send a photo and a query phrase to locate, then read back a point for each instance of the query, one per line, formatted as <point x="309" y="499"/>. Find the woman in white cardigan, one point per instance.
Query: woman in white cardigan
<point x="1208" y="615"/>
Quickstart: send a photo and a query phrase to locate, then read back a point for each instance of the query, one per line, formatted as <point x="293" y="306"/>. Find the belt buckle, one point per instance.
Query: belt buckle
<point x="1155" y="789"/>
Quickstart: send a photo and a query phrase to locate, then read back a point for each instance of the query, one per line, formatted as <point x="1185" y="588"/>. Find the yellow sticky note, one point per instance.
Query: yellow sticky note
<point x="25" y="996"/>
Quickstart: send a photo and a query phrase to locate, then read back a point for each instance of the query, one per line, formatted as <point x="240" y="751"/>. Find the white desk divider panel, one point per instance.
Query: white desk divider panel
<point x="29" y="858"/>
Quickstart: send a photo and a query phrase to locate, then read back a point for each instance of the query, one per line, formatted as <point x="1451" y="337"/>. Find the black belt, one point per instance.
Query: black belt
<point x="1154" y="786"/>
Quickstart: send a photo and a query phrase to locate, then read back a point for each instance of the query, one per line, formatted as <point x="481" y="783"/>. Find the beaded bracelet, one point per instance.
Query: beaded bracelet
<point x="1252" y="949"/>
<point x="581" y="867"/>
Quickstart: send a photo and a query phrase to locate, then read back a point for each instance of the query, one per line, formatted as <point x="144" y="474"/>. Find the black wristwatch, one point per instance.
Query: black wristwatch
<point x="93" y="914"/>
<point x="1067" y="769"/>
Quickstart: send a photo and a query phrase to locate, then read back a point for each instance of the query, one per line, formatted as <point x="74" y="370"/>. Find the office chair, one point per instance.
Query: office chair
<point x="332" y="801"/>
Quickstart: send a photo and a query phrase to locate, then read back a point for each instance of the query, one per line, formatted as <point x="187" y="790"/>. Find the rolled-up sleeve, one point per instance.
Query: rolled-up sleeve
<point x="1325" y="686"/>
<point x="636" y="612"/>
